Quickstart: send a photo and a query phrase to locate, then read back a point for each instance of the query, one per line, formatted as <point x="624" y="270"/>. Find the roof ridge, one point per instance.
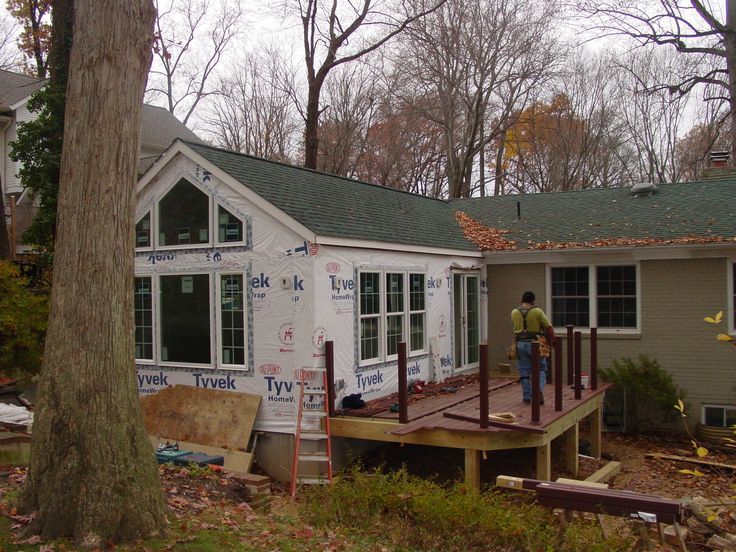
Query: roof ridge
<point x="314" y="171"/>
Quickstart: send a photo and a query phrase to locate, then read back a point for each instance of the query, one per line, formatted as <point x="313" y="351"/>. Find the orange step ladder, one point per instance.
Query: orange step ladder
<point x="320" y="434"/>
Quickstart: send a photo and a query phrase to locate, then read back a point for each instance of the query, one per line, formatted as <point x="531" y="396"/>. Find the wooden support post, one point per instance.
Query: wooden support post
<point x="535" y="383"/>
<point x="472" y="469"/>
<point x="595" y="433"/>
<point x="594" y="358"/>
<point x="570" y="355"/>
<point x="403" y="385"/>
<point x="558" y="374"/>
<point x="483" y="385"/>
<point x="330" y="369"/>
<point x="551" y="363"/>
<point x="578" y="365"/>
<point x="572" y="437"/>
<point x="544" y="462"/>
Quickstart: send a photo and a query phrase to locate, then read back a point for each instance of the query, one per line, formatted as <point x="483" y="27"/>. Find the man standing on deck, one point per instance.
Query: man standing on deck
<point x="530" y="322"/>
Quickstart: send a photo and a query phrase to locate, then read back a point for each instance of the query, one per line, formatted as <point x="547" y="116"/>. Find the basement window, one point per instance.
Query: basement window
<point x="719" y="416"/>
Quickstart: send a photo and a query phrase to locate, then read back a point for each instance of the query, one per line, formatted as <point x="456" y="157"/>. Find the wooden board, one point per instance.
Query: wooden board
<point x="210" y="417"/>
<point x="235" y="460"/>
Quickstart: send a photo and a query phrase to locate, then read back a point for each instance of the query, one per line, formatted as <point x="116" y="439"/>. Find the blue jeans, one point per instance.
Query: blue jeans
<point x="525" y="369"/>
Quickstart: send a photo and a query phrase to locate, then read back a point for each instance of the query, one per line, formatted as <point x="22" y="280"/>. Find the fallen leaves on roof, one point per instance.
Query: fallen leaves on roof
<point x="491" y="239"/>
<point x="485" y="237"/>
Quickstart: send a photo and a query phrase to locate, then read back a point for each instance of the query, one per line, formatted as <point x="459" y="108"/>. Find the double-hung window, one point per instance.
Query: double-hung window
<point x="391" y="310"/>
<point x="602" y="296"/>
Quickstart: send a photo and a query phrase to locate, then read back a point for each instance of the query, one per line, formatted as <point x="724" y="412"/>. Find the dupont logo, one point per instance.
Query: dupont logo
<point x="308" y="375"/>
<point x="269" y="369"/>
<point x="318" y="338"/>
<point x="333" y="268"/>
<point x="286" y="334"/>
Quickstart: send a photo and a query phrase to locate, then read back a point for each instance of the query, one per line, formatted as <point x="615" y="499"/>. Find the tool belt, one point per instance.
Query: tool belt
<point x="528" y="336"/>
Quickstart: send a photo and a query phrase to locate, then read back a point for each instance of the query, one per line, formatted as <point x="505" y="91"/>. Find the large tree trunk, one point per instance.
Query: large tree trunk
<point x="92" y="472"/>
<point x="311" y="127"/>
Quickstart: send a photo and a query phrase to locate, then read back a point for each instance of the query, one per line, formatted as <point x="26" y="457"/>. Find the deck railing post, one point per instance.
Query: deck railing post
<point x="570" y="356"/>
<point x="403" y="387"/>
<point x="535" y="382"/>
<point x="558" y="374"/>
<point x="551" y="365"/>
<point x="483" y="369"/>
<point x="330" y="369"/>
<point x="578" y="364"/>
<point x="594" y="358"/>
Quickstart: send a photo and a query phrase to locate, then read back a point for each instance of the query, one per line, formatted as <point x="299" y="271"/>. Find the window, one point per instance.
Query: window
<point x="232" y="320"/>
<point x="719" y="416"/>
<point x="603" y="295"/>
<point x="185" y="318"/>
<point x="229" y="227"/>
<point x="143" y="311"/>
<point x="183" y="216"/>
<point x="370" y="315"/>
<point x="733" y="295"/>
<point x="391" y="314"/>
<point x="417" y="312"/>
<point x="143" y="231"/>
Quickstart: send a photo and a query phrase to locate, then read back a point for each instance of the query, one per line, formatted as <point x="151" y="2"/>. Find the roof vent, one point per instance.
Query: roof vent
<point x="643" y="189"/>
<point x="719" y="158"/>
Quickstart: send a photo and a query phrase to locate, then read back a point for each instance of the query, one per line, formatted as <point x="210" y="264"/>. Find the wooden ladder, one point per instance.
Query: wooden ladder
<point x="320" y="435"/>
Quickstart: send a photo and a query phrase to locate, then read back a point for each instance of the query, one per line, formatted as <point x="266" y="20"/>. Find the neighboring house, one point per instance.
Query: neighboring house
<point x="245" y="267"/>
<point x="159" y="129"/>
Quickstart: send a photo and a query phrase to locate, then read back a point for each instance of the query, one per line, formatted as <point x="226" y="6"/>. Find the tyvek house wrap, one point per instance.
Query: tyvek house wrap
<point x="298" y="296"/>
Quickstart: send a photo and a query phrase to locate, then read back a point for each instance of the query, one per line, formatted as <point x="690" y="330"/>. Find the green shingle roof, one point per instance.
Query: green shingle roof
<point x="701" y="209"/>
<point x="340" y="207"/>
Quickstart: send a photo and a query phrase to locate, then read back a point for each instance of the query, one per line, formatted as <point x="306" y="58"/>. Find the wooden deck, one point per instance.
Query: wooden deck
<point x="452" y="419"/>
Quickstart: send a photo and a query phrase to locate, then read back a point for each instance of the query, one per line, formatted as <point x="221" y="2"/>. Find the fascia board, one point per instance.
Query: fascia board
<point x="646" y="253"/>
<point x="392" y="246"/>
<point x="236" y="185"/>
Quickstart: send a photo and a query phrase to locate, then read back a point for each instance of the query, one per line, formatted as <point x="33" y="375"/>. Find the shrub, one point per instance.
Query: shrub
<point x="409" y="513"/>
<point x="649" y="390"/>
<point x="23" y="318"/>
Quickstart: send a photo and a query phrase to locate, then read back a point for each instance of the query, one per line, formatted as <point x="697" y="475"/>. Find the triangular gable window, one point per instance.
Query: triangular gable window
<point x="143" y="232"/>
<point x="229" y="227"/>
<point x="183" y="216"/>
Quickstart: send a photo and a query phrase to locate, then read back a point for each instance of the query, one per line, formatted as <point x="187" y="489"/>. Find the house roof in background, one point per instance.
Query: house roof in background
<point x="159" y="127"/>
<point x="341" y="207"/>
<point x="15" y="87"/>
<point x="683" y="212"/>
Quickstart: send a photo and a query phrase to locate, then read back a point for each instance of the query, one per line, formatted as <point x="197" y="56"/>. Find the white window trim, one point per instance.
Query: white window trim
<point x="383" y="315"/>
<point x="216" y="223"/>
<point x="593" y="296"/>
<point x="423" y="311"/>
<point x="218" y="321"/>
<point x="723" y="406"/>
<point x="158" y="345"/>
<point x="155" y="209"/>
<point x="154" y="329"/>
<point x="731" y="274"/>
<point x="151" y="236"/>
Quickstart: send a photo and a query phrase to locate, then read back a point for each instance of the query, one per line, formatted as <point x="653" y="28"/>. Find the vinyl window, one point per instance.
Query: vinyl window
<point x="605" y="296"/>
<point x="143" y="313"/>
<point x="719" y="416"/>
<point x="392" y="309"/>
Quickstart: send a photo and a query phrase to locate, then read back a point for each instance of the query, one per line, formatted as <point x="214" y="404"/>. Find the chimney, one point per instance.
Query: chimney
<point x="719" y="158"/>
<point x="719" y="167"/>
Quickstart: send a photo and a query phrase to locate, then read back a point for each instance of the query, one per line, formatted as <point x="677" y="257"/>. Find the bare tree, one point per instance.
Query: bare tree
<point x="92" y="472"/>
<point x="328" y="29"/>
<point x="33" y="15"/>
<point x="9" y="53"/>
<point x="699" y="29"/>
<point x="191" y="38"/>
<point x="253" y="111"/>
<point x="470" y="58"/>
<point x="653" y="117"/>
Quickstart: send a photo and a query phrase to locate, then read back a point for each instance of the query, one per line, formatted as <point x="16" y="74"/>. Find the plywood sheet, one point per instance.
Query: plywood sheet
<point x="211" y="417"/>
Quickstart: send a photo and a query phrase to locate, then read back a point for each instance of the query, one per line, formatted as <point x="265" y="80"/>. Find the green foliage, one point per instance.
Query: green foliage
<point x="38" y="148"/>
<point x="650" y="392"/>
<point x="23" y="317"/>
<point x="416" y="514"/>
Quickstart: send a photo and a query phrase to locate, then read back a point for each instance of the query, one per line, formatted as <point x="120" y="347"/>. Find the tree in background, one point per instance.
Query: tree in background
<point x="704" y="32"/>
<point x="92" y="473"/>
<point x="191" y="38"/>
<point x="39" y="141"/>
<point x="328" y="29"/>
<point x="35" y="37"/>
